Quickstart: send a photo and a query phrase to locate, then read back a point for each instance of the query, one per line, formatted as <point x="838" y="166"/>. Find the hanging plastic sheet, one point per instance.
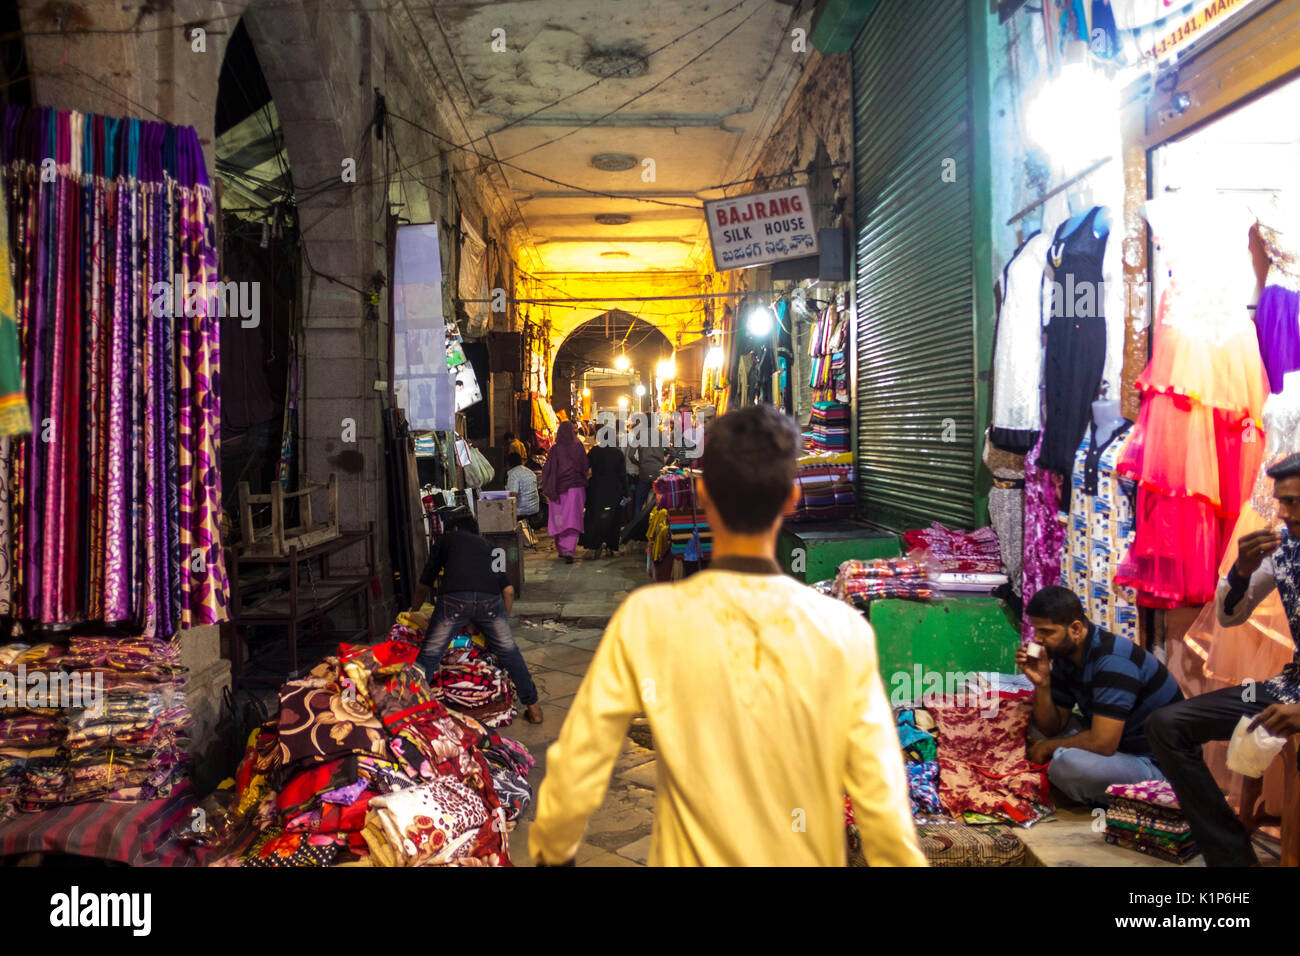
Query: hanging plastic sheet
<point x="422" y="383"/>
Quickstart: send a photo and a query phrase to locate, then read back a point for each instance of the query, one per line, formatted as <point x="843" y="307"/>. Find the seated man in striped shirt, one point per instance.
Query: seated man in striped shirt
<point x="1114" y="684"/>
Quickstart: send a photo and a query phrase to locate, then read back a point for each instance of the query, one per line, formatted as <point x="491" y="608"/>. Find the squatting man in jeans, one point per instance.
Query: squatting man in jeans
<point x="1114" y="683"/>
<point x="1265" y="560"/>
<point x="472" y="593"/>
<point x="763" y="696"/>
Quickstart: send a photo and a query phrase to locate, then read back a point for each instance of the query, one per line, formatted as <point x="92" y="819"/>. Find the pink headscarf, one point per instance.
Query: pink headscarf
<point x="566" y="465"/>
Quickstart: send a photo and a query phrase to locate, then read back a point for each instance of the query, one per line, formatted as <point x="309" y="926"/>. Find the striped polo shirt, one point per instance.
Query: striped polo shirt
<point x="1118" y="680"/>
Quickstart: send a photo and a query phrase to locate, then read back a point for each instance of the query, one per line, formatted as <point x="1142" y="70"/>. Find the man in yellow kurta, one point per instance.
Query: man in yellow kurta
<point x="763" y="696"/>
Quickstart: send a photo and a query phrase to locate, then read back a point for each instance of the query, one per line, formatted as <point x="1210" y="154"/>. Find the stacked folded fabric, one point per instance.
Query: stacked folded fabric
<point x="825" y="492"/>
<point x="470" y="682"/>
<point x="858" y="582"/>
<point x="683" y="526"/>
<point x="1146" y="817"/>
<point x="955" y="552"/>
<point x="829" y="425"/>
<point x="114" y="731"/>
<point x="364" y="762"/>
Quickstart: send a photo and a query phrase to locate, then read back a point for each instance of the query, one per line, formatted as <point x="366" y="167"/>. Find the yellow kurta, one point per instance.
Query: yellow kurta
<point x="766" y="706"/>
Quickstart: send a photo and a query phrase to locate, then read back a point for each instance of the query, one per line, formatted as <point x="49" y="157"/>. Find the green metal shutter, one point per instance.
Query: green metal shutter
<point x="915" y="336"/>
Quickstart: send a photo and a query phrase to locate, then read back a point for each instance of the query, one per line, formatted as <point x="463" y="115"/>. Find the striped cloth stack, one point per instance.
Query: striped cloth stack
<point x="683" y="525"/>
<point x="1146" y="817"/>
<point x="829" y="426"/>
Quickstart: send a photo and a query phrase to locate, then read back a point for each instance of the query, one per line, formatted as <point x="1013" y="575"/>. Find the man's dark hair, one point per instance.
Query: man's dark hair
<point x="1058" y="605"/>
<point x="749" y="462"/>
<point x="508" y="437"/>
<point x="513" y="460"/>
<point x="460" y="520"/>
<point x="1288" y="467"/>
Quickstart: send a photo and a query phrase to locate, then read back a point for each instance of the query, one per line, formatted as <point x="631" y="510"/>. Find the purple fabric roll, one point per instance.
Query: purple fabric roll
<point x="1277" y="325"/>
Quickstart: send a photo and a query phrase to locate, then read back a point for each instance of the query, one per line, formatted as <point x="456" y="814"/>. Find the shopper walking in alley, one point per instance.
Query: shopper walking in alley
<point x="1266" y="560"/>
<point x="472" y="593"/>
<point x="606" y="492"/>
<point x="564" y="483"/>
<point x="763" y="696"/>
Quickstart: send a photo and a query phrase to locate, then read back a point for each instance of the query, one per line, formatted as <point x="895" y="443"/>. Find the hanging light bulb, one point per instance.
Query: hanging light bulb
<point x="666" y="369"/>
<point x="622" y="362"/>
<point x="759" y="322"/>
<point x="640" y="391"/>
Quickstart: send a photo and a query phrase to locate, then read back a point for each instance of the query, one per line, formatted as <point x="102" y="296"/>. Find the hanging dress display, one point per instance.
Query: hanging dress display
<point x="1044" y="534"/>
<point x="1194" y="450"/>
<point x="1099" y="532"/>
<point x="115" y="511"/>
<point x="1259" y="648"/>
<point x="1075" y="349"/>
<point x="1277" y="314"/>
<point x="1018" y="354"/>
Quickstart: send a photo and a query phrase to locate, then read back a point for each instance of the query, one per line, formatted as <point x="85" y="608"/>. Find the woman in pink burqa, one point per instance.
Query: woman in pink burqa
<point x="564" y="483"/>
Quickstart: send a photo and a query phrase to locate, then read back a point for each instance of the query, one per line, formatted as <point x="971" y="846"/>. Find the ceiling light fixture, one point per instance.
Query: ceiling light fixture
<point x="622" y="63"/>
<point x="613" y="219"/>
<point x="614" y="162"/>
<point x="616" y="254"/>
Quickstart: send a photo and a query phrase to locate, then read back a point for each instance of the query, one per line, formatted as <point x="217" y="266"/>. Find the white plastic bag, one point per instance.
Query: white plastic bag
<point x="1249" y="754"/>
<point x="478" y="472"/>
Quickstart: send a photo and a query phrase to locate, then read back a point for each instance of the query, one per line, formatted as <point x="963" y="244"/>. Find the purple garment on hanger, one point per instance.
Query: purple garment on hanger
<point x="1044" y="534"/>
<point x="1277" y="325"/>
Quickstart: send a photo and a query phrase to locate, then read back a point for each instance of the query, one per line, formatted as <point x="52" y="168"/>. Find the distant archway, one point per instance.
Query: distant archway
<point x="594" y="345"/>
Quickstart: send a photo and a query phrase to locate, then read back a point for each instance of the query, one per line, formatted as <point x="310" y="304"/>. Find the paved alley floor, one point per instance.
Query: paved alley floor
<point x="557" y="623"/>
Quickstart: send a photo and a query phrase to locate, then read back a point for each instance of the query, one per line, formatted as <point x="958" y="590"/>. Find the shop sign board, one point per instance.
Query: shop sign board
<point x="1205" y="18"/>
<point x="760" y="228"/>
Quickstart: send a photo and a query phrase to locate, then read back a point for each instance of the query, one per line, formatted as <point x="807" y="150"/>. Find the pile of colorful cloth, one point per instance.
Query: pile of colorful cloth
<point x="984" y="773"/>
<point x="1146" y="817"/>
<point x="104" y="719"/>
<point x="470" y="682"/>
<point x="920" y="753"/>
<point x="825" y="483"/>
<point x="364" y="765"/>
<point x="829" y="426"/>
<point x="859" y="582"/>
<point x="955" y="552"/>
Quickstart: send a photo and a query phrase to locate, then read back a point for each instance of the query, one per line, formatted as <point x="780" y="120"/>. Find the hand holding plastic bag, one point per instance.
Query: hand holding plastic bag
<point x="1251" y="751"/>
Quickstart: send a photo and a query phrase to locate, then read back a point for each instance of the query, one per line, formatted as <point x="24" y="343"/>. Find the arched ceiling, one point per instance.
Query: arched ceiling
<point x="566" y="92"/>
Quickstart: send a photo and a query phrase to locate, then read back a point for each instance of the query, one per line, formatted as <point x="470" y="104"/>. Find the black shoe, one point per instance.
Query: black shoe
<point x="568" y="559"/>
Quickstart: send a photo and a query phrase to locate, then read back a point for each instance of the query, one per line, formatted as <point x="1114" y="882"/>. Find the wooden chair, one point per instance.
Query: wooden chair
<point x="1252" y="789"/>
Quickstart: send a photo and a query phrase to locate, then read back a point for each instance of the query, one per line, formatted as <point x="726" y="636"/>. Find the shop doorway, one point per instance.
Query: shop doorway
<point x="1226" y="173"/>
<point x="259" y="246"/>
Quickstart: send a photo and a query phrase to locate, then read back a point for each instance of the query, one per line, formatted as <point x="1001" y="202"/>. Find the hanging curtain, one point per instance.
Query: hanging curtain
<point x="110" y="511"/>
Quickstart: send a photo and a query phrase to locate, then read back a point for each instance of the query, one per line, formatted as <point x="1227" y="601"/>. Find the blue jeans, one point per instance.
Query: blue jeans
<point x="1083" y="776"/>
<point x="488" y="611"/>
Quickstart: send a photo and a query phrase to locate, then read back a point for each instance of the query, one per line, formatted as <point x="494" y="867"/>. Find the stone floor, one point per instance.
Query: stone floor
<point x="557" y="623"/>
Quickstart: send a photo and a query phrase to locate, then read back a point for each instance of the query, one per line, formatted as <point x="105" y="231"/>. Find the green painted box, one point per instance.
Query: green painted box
<point x="948" y="635"/>
<point x="813" y="551"/>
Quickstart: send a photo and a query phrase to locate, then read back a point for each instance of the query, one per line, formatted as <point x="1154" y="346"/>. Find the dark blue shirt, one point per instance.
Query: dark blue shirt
<point x="1118" y="680"/>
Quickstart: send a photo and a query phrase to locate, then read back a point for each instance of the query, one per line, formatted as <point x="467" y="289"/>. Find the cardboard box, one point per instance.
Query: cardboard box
<point x="496" y="516"/>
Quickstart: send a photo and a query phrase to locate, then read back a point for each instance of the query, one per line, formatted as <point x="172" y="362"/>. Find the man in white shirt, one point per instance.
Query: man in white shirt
<point x="521" y="482"/>
<point x="764" y="697"/>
